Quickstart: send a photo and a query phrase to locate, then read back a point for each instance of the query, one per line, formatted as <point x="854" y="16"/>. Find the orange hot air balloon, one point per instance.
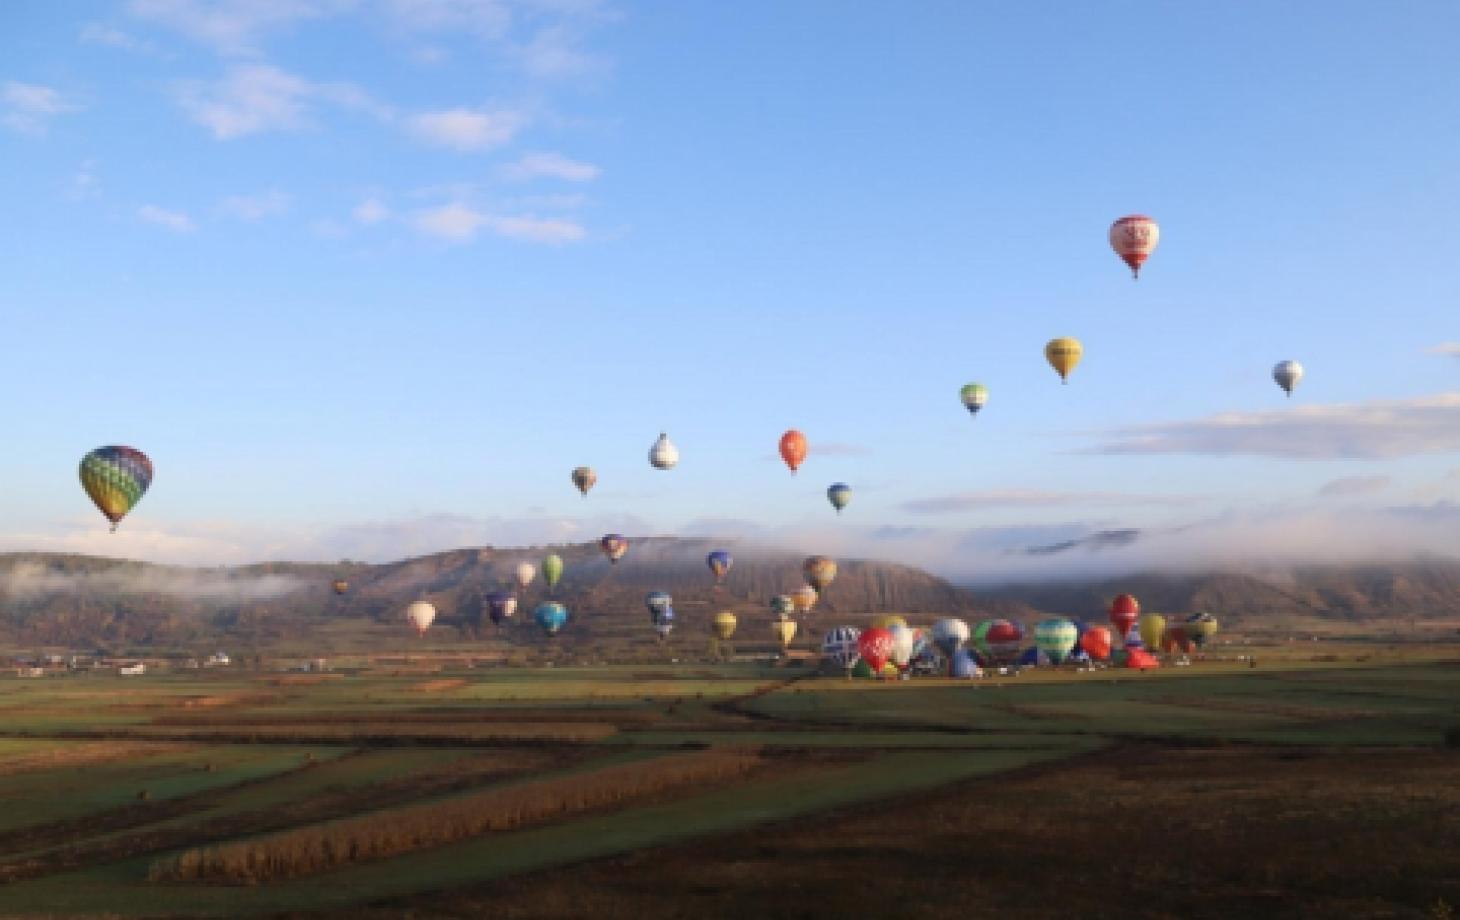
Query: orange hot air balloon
<point x="1096" y="643"/>
<point x="793" y="448"/>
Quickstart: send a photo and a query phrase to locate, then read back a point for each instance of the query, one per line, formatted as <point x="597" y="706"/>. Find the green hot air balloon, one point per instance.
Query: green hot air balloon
<point x="1056" y="638"/>
<point x="552" y="570"/>
<point x="974" y="395"/>
<point x="840" y="495"/>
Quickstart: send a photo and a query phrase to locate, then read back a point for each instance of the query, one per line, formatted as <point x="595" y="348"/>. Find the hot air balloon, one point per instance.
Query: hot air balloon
<point x="819" y="572"/>
<point x="785" y="631"/>
<point x="962" y="666"/>
<point x="664" y="624"/>
<point x="340" y="586"/>
<point x="584" y="478"/>
<point x="1096" y="642"/>
<point x="116" y="478"/>
<point x="1032" y="657"/>
<point x="840" y="646"/>
<point x="974" y="395"/>
<point x="657" y="602"/>
<point x="663" y="455"/>
<point x="1063" y="354"/>
<point x="1287" y="374"/>
<point x="875" y="647"/>
<point x="501" y="606"/>
<point x="1133" y="238"/>
<point x="782" y="605"/>
<point x="949" y="635"/>
<point x="998" y="640"/>
<point x="723" y="624"/>
<point x="1123" y="613"/>
<point x="840" y="495"/>
<point x="719" y="562"/>
<point x="1151" y="626"/>
<point x="793" y="448"/>
<point x="420" y="615"/>
<point x="804" y="598"/>
<point x="902" y="645"/>
<point x="551" y="616"/>
<point x="552" y="570"/>
<point x="1056" y="638"/>
<point x="524" y="573"/>
<point x="888" y="620"/>
<point x="1176" y="639"/>
<point x="614" y="546"/>
<point x="1200" y="627"/>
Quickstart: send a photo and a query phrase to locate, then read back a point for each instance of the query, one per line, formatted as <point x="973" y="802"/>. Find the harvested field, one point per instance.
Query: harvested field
<point x="439" y="686"/>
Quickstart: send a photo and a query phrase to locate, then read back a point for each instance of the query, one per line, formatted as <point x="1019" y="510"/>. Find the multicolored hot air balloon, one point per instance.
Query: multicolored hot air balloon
<point x="116" y="478"/>
<point x="524" y="574"/>
<point x="1134" y="238"/>
<point x="614" y="546"/>
<point x="1152" y="626"/>
<point x="657" y="602"/>
<point x="1063" y="354"/>
<point x="840" y="646"/>
<point x="875" y="647"/>
<point x="501" y="606"/>
<point x="420" y="615"/>
<point x="1123" y="613"/>
<point x="551" y="616"/>
<point x="724" y="624"/>
<point x="663" y="455"/>
<point x="719" y="562"/>
<point x="949" y="635"/>
<point x="1056" y="637"/>
<point x="1287" y="374"/>
<point x="974" y="395"/>
<point x="584" y="478"/>
<point x="340" y="586"/>
<point x="1096" y="643"/>
<point x="888" y="620"/>
<point x="793" y="448"/>
<point x="782" y="605"/>
<point x="784" y="631"/>
<point x="840" y="495"/>
<point x="1201" y="627"/>
<point x="552" y="570"/>
<point x="804" y="598"/>
<point x="819" y="572"/>
<point x="998" y="640"/>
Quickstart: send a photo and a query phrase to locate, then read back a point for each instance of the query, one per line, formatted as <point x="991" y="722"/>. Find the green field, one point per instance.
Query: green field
<point x="106" y="779"/>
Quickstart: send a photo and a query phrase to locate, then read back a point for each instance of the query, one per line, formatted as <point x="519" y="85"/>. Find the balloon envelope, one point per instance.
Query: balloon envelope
<point x="840" y="646"/>
<point x="840" y="495"/>
<point x="501" y="606"/>
<point x="552" y="569"/>
<point x="1096" y="642"/>
<point x="1056" y="638"/>
<point x="551" y="616"/>
<point x="1287" y="374"/>
<point x="658" y="602"/>
<point x="340" y="586"/>
<point x="1201" y="627"/>
<point x="1063" y="354"/>
<point x="974" y="395"/>
<point x="724" y="624"/>
<point x="1123" y="613"/>
<point x="949" y="634"/>
<point x="420" y="615"/>
<point x="115" y="478"/>
<point x="663" y="455"/>
<point x="902" y="645"/>
<point x="888" y="620"/>
<point x="1152" y="627"/>
<point x="584" y="478"/>
<point x="784" y="631"/>
<point x="875" y="647"/>
<point x="719" y="562"/>
<point x="819" y="572"/>
<point x="1134" y="238"/>
<point x="614" y="546"/>
<point x="524" y="574"/>
<point x="962" y="665"/>
<point x="804" y="598"/>
<point x="793" y="448"/>
<point x="782" y="605"/>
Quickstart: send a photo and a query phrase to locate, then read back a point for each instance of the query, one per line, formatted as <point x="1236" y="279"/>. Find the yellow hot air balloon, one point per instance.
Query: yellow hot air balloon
<point x="887" y="621"/>
<point x="724" y="624"/>
<point x="804" y="598"/>
<point x="1152" y="627"/>
<point x="1063" y="354"/>
<point x="785" y="631"/>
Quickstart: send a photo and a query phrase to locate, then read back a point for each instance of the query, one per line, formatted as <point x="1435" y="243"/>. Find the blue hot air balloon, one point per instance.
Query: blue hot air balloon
<point x="840" y="495"/>
<point x="719" y="562"/>
<point x="551" y="616"/>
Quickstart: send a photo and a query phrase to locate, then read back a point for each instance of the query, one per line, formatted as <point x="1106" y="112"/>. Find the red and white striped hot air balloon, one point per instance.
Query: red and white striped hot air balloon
<point x="1134" y="238"/>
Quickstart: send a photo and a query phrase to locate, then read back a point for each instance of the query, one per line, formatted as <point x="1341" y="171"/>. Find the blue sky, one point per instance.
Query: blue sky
<point x="369" y="277"/>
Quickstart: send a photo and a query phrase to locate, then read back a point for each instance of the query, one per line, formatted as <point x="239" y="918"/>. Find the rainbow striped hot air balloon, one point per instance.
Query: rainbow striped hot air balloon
<point x="116" y="478"/>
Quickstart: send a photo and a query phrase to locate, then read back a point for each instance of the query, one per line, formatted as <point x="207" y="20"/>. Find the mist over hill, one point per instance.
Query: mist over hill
<point x="84" y="601"/>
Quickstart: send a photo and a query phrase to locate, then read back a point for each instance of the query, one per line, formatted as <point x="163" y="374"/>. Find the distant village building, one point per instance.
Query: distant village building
<point x="132" y="670"/>
<point x="218" y="660"/>
<point x="30" y="671"/>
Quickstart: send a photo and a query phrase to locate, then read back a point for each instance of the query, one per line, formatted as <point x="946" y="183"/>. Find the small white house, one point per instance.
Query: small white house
<point x="132" y="670"/>
<point x="219" y="660"/>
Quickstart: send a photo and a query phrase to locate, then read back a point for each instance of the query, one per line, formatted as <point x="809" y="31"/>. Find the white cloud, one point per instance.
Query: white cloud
<point x="1354" y="485"/>
<point x="1377" y="430"/>
<point x="176" y="221"/>
<point x="1448" y="349"/>
<point x="460" y="223"/>
<point x="370" y="212"/>
<point x="555" y="52"/>
<point x="29" y="107"/>
<point x="550" y="166"/>
<point x="255" y="207"/>
<point x="232" y="26"/>
<point x="467" y="129"/>
<point x="487" y="18"/>
<point x="96" y="33"/>
<point x="256" y="98"/>
<point x="1032" y="498"/>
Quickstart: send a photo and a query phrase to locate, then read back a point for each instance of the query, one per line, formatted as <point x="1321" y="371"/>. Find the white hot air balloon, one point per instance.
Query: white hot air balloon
<point x="663" y="455"/>
<point x="902" y="645"/>
<point x="524" y="573"/>
<point x="1287" y="374"/>
<point x="420" y="615"/>
<point x="1134" y="238"/>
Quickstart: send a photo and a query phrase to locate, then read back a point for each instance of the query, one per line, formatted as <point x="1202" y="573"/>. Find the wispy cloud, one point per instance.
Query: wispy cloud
<point x="467" y="130"/>
<point x="255" y="207"/>
<point x="556" y="52"/>
<point x="550" y="166"/>
<point x="84" y="182"/>
<point x="1033" y="498"/>
<point x="460" y="223"/>
<point x="29" y="107"/>
<point x="176" y="221"/>
<point x="486" y="18"/>
<point x="232" y="26"/>
<point x="257" y="98"/>
<point x="1354" y="485"/>
<point x="1448" y="349"/>
<point x="1378" y="430"/>
<point x="369" y="212"/>
<point x="97" y="33"/>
